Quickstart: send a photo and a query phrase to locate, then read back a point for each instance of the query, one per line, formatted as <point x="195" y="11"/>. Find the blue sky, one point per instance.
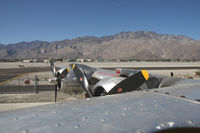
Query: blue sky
<point x="54" y="20"/>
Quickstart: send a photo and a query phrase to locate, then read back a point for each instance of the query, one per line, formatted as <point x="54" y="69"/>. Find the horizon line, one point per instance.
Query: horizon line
<point x="98" y="37"/>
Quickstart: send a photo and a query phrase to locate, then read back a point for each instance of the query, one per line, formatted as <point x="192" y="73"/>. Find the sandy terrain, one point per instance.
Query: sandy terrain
<point x="15" y="106"/>
<point x="47" y="96"/>
<point x="16" y="64"/>
<point x="19" y="101"/>
<point x="105" y="64"/>
<point x="136" y="64"/>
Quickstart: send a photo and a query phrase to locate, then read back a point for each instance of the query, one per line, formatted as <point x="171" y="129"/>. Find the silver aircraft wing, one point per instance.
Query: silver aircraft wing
<point x="103" y="74"/>
<point x="132" y="112"/>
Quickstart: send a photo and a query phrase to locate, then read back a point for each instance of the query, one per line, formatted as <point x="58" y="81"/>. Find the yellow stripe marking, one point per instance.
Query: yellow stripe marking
<point x="73" y="66"/>
<point x="145" y="74"/>
<point x="12" y="79"/>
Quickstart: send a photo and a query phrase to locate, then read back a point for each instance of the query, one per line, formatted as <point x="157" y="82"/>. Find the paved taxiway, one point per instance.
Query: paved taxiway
<point x="7" y="74"/>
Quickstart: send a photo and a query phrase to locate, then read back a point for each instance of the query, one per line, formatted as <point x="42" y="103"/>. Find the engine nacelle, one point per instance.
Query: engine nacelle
<point x="106" y="85"/>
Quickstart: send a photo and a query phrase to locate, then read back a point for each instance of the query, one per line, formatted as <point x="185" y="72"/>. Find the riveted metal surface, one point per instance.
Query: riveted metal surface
<point x="140" y="112"/>
<point x="184" y="89"/>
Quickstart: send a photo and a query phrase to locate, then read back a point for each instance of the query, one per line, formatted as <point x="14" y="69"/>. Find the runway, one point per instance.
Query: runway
<point x="8" y="74"/>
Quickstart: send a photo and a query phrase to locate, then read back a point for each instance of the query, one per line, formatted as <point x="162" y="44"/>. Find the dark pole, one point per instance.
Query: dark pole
<point x="35" y="88"/>
<point x="36" y="84"/>
<point x="19" y="85"/>
<point x="172" y="74"/>
<point x="55" y="93"/>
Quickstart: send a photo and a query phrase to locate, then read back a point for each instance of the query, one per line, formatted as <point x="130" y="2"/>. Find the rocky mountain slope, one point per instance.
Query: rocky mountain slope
<point x="125" y="45"/>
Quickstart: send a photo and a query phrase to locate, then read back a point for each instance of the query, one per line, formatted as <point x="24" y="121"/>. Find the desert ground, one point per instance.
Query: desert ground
<point x="10" y="101"/>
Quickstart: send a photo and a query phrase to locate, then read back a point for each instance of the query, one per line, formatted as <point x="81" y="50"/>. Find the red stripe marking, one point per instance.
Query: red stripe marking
<point x="119" y="90"/>
<point x="108" y="74"/>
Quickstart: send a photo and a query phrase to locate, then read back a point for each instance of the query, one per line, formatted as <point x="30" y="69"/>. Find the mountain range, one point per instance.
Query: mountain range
<point x="140" y="45"/>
